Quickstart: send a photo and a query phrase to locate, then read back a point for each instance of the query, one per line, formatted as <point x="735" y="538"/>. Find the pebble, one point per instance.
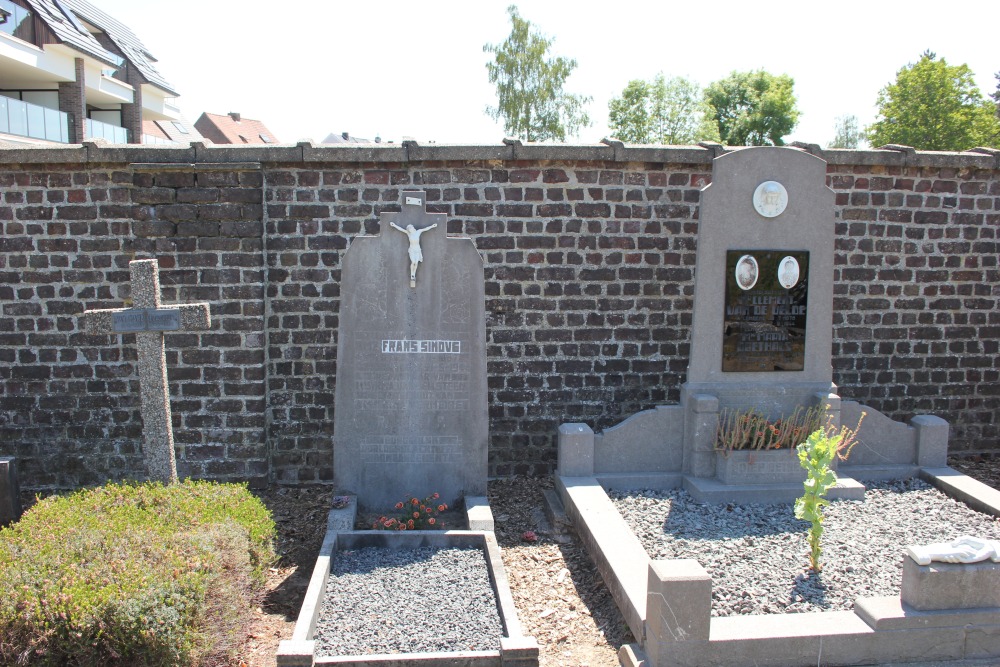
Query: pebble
<point x="758" y="555"/>
<point x="408" y="601"/>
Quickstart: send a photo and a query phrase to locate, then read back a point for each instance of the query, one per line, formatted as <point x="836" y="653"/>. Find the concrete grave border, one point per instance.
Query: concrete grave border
<point x="516" y="649"/>
<point x="667" y="603"/>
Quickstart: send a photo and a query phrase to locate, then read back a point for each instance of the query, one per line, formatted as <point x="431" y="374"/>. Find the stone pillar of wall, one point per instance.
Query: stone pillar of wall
<point x="73" y="101"/>
<point x="132" y="113"/>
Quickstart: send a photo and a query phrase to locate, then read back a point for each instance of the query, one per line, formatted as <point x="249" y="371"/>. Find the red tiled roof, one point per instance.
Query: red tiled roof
<point x="226" y="129"/>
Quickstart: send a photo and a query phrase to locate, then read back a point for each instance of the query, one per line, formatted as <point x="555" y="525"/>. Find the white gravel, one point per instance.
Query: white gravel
<point x="408" y="601"/>
<point x="758" y="555"/>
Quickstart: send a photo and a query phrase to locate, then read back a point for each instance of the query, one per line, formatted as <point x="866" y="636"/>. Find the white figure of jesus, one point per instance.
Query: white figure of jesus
<point x="416" y="255"/>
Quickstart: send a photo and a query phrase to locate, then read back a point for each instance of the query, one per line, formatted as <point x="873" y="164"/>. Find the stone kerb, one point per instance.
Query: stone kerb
<point x="678" y="606"/>
<point x="951" y="585"/>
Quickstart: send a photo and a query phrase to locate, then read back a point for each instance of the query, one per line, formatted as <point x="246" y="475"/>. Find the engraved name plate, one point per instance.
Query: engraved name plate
<point x="766" y="304"/>
<point x="146" y="319"/>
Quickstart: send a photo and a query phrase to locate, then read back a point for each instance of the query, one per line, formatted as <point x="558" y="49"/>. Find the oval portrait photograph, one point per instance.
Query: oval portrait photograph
<point x="770" y="199"/>
<point x="788" y="272"/>
<point x="746" y="272"/>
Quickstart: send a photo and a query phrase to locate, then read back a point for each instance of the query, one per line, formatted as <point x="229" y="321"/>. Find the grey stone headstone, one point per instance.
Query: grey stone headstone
<point x="10" y="492"/>
<point x="411" y="402"/>
<point x="731" y="219"/>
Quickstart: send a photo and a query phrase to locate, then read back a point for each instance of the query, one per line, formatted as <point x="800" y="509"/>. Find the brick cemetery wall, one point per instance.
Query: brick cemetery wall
<point x="589" y="254"/>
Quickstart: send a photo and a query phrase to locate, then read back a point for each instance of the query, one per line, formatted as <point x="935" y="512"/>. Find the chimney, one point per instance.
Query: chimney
<point x="345" y="136"/>
<point x="235" y="115"/>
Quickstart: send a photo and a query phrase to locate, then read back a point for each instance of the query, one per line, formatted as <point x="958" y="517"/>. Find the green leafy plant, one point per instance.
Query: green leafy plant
<point x="416" y="515"/>
<point x="749" y="429"/>
<point x="133" y="575"/>
<point x="816" y="456"/>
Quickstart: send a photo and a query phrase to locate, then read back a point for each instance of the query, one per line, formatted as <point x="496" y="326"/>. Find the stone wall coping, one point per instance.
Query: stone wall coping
<point x="198" y="155"/>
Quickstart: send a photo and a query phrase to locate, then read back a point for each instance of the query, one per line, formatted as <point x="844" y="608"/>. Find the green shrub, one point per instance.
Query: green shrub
<point x="132" y="575"/>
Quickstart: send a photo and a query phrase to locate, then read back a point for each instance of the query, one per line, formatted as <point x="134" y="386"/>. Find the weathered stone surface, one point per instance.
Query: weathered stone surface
<point x="950" y="585"/>
<point x="157" y="428"/>
<point x="10" y="491"/>
<point x="728" y="221"/>
<point x="410" y="415"/>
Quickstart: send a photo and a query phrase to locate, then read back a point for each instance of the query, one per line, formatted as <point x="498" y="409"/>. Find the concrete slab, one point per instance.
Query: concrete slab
<point x="478" y="513"/>
<point x="889" y="613"/>
<point x="972" y="492"/>
<point x="713" y="491"/>
<point x="950" y="585"/>
<point x="620" y="557"/>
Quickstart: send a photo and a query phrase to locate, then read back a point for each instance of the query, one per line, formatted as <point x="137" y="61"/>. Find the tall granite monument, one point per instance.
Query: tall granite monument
<point x="411" y="415"/>
<point x="763" y="299"/>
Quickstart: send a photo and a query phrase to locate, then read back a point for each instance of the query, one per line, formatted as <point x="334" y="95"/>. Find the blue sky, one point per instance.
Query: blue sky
<point x="308" y="68"/>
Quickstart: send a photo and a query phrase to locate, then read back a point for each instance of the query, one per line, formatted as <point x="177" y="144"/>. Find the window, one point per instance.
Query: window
<point x="266" y="139"/>
<point x="71" y="16"/>
<point x="16" y="21"/>
<point x="180" y="127"/>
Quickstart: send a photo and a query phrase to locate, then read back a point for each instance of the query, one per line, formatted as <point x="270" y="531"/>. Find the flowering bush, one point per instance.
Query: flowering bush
<point x="416" y="515"/>
<point x="749" y="429"/>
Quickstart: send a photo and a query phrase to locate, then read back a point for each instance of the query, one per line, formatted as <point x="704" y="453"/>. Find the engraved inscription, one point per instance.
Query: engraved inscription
<point x="765" y="321"/>
<point x="146" y="319"/>
<point x="129" y="320"/>
<point x="421" y="347"/>
<point x="765" y="467"/>
<point x="410" y="449"/>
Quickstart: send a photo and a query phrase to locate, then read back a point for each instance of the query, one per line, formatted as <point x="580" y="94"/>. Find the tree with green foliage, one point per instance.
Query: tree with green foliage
<point x="996" y="93"/>
<point x="529" y="84"/>
<point x="661" y="111"/>
<point x="753" y="108"/>
<point x="847" y="133"/>
<point x="934" y="106"/>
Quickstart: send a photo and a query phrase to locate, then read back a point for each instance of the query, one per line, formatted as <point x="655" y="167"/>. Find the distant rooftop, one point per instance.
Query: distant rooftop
<point x="233" y="128"/>
<point x="346" y="138"/>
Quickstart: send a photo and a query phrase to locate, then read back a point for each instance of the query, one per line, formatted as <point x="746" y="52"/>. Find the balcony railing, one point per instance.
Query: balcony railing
<point x="30" y="120"/>
<point x="96" y="129"/>
<point x="152" y="140"/>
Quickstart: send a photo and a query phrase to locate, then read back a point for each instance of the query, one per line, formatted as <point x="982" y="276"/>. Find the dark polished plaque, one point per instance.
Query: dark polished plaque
<point x="765" y="318"/>
<point x="146" y="319"/>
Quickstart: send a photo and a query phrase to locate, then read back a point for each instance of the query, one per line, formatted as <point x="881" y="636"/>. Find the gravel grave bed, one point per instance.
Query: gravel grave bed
<point x="428" y="599"/>
<point x="757" y="555"/>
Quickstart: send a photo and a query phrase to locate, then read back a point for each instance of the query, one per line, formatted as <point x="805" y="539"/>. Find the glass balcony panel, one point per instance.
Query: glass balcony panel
<point x="36" y="121"/>
<point x="4" y="123"/>
<point x="113" y="133"/>
<point x="55" y="125"/>
<point x="18" y="114"/>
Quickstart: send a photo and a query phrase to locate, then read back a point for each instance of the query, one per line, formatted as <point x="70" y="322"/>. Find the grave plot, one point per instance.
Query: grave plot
<point x="410" y="422"/>
<point x="760" y="354"/>
<point x="757" y="554"/>
<point x="408" y="597"/>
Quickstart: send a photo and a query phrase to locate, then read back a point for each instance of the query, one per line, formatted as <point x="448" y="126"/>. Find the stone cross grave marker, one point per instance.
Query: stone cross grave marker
<point x="147" y="319"/>
<point x="411" y="396"/>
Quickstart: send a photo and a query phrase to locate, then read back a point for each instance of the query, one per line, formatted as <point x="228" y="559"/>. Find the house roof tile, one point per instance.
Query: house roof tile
<point x="233" y="129"/>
